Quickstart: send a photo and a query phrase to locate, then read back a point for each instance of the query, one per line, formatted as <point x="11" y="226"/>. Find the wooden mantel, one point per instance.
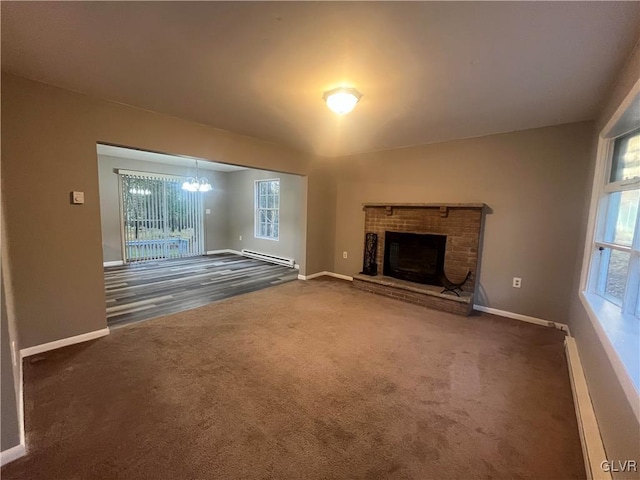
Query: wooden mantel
<point x="425" y="205"/>
<point x="443" y="207"/>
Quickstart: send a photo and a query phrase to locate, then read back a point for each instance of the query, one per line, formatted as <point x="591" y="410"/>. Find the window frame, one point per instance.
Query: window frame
<point x="617" y="330"/>
<point x="257" y="209"/>
<point x="628" y="304"/>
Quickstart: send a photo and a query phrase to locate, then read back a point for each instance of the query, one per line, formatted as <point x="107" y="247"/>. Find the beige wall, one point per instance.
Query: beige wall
<point x="618" y="424"/>
<point x="10" y="431"/>
<point x="241" y="214"/>
<point x="215" y="223"/>
<point x="321" y="227"/>
<point x="534" y="183"/>
<point x="49" y="138"/>
<point x="10" y="418"/>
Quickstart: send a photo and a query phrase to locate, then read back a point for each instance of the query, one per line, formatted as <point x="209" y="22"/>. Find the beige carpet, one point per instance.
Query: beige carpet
<point x="306" y="380"/>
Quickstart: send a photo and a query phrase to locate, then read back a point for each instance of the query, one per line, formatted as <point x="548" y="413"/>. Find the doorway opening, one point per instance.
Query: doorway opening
<point x="180" y="232"/>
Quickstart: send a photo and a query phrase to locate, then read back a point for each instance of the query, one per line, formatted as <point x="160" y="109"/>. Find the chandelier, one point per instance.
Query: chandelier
<point x="197" y="183"/>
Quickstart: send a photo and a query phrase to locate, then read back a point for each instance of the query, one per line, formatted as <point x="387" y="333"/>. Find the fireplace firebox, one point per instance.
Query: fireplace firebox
<point x="414" y="257"/>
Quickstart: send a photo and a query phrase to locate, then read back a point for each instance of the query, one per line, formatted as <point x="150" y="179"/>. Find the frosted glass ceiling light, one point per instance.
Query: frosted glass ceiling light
<point x="342" y="100"/>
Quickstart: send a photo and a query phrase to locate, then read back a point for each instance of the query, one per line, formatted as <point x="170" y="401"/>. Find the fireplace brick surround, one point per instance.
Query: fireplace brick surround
<point x="460" y="222"/>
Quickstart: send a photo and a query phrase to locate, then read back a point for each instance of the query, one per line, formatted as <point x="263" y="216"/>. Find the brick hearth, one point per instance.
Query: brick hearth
<point x="460" y="222"/>
<point x="425" y="295"/>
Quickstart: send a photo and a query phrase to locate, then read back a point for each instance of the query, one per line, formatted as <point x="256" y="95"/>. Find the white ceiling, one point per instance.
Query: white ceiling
<point x="429" y="71"/>
<point x="145" y="156"/>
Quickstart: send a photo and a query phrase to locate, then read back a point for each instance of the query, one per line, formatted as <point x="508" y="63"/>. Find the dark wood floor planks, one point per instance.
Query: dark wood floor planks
<point x="140" y="291"/>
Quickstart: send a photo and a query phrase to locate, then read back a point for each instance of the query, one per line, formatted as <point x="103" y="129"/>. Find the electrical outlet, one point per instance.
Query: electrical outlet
<point x="240" y="237"/>
<point x="517" y="282"/>
<point x="344" y="254"/>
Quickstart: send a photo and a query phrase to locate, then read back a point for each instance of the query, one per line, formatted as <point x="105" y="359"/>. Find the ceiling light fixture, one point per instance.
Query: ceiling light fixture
<point x="342" y="100"/>
<point x="197" y="184"/>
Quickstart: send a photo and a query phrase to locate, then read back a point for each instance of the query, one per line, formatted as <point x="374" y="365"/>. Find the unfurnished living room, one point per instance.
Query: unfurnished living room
<point x="320" y="240"/>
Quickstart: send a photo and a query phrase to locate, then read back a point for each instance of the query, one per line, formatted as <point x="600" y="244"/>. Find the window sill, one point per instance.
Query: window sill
<point x="267" y="238"/>
<point x="620" y="337"/>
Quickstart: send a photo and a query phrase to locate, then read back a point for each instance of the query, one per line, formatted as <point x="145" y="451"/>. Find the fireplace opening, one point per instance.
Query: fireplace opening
<point x="414" y="257"/>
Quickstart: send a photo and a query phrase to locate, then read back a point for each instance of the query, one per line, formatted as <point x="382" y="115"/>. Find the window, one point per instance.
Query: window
<point x="615" y="266"/>
<point x="610" y="281"/>
<point x="267" y="214"/>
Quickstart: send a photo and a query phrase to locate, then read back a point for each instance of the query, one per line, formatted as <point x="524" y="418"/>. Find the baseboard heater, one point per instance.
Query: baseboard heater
<point x="592" y="447"/>
<point x="287" y="262"/>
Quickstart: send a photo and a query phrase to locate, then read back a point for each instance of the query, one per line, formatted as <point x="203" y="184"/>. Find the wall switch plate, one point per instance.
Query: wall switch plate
<point x="77" y="198"/>
<point x="344" y="254"/>
<point x="240" y="237"/>
<point x="517" y="282"/>
<point x="207" y="211"/>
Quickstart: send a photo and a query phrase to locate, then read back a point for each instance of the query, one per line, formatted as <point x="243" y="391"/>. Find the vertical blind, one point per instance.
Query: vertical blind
<point x="159" y="218"/>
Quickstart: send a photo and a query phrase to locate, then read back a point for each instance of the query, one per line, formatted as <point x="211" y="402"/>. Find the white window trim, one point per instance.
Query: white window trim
<point x="255" y="210"/>
<point x="618" y="333"/>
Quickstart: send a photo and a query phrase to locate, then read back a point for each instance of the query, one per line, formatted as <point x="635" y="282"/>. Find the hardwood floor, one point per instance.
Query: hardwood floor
<point x="140" y="291"/>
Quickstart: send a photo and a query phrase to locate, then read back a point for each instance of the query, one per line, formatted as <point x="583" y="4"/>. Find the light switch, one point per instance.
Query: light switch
<point x="207" y="211"/>
<point x="77" y="198"/>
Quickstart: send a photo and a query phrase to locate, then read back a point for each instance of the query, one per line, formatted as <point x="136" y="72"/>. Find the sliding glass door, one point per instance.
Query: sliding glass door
<point x="159" y="218"/>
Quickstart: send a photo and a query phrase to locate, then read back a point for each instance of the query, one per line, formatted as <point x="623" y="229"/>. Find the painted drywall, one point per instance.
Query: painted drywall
<point x="533" y="182"/>
<point x="618" y="424"/>
<point x="10" y="431"/>
<point x="11" y="421"/>
<point x="241" y="202"/>
<point x="49" y="138"/>
<point x="215" y="223"/>
<point x="321" y="228"/>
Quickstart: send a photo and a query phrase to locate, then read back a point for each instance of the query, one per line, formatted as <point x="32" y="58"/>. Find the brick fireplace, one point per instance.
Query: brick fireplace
<point x="460" y="223"/>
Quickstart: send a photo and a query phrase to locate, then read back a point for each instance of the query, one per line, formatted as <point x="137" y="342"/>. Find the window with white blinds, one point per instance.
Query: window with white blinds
<point x="159" y="218"/>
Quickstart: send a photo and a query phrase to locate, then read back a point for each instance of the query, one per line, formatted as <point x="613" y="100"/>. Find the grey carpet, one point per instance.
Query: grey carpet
<point x="304" y="380"/>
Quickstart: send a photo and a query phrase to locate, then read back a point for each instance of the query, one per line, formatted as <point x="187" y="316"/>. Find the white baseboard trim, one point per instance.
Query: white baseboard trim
<point x="327" y="274"/>
<point x="524" y="318"/>
<point x="45" y="347"/>
<point x="11" y="454"/>
<point x="311" y="276"/>
<point x="114" y="263"/>
<point x="224" y="250"/>
<point x="339" y="275"/>
<point x="21" y="424"/>
<point x="592" y="448"/>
